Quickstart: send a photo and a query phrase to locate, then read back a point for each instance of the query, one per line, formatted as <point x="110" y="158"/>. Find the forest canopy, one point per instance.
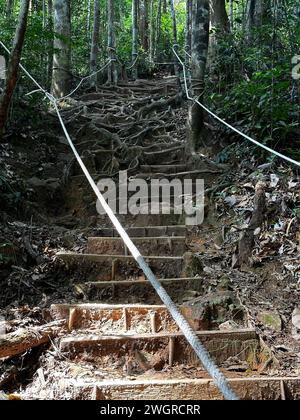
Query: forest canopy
<point x="251" y="61"/>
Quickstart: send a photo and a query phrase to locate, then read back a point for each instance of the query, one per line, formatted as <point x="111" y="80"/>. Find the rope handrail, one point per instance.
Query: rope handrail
<point x="44" y="91"/>
<point x="190" y="335"/>
<point x="257" y="143"/>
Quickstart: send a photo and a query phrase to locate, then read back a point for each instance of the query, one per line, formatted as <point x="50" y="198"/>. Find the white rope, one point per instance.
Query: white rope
<point x="134" y="63"/>
<point x="257" y="143"/>
<point x="47" y="93"/>
<point x="86" y="78"/>
<point x="191" y="336"/>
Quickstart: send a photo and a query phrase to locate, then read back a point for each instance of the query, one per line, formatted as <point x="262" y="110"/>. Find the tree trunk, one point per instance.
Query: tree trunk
<point x="62" y="45"/>
<point x="13" y="65"/>
<point x="257" y="12"/>
<point x="95" y="43"/>
<point x="88" y="21"/>
<point x="144" y="24"/>
<point x="112" y="70"/>
<point x="24" y="339"/>
<point x="151" y="35"/>
<point x="249" y="19"/>
<point x="231" y="14"/>
<point x="175" y="40"/>
<point x="200" y="37"/>
<point x="188" y="28"/>
<point x="9" y="8"/>
<point x="50" y="42"/>
<point x="247" y="239"/>
<point x="134" y="38"/>
<point x="158" y="28"/>
<point x="219" y="26"/>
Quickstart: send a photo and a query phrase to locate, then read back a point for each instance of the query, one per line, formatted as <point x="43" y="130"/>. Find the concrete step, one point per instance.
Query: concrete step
<point x="109" y="319"/>
<point x="246" y="388"/>
<point x="120" y="267"/>
<point x="146" y="231"/>
<point x="161" y="349"/>
<point x="168" y="246"/>
<point x="137" y="291"/>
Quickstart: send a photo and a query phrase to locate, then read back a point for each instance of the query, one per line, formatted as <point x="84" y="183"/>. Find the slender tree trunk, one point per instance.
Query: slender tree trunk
<point x="175" y="40"/>
<point x="158" y="28"/>
<point x="9" y="8"/>
<point x="144" y="24"/>
<point x="62" y="45"/>
<point x="13" y="65"/>
<point x="95" y="43"/>
<point x="151" y="35"/>
<point x="188" y="29"/>
<point x="112" y="70"/>
<point x="165" y="7"/>
<point x="256" y="13"/>
<point x="231" y="14"/>
<point x="249" y="19"/>
<point x="88" y="21"/>
<point x="219" y="26"/>
<point x="134" y="38"/>
<point x="50" y="42"/>
<point x="200" y="37"/>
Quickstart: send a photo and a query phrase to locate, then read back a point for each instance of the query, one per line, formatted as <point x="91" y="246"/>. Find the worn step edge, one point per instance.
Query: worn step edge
<point x="96" y="257"/>
<point x="250" y="388"/>
<point x="172" y="246"/>
<point x="146" y="282"/>
<point x="145" y="231"/>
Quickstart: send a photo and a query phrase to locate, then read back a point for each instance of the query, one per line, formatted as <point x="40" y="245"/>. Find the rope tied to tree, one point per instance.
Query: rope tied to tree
<point x="257" y="143"/>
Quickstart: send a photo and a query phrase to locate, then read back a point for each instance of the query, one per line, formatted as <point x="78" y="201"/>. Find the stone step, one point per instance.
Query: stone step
<point x="168" y="246"/>
<point x="246" y="388"/>
<point x="159" y="350"/>
<point x="147" y="231"/>
<point x="120" y="267"/>
<point x="109" y="319"/>
<point x="137" y="291"/>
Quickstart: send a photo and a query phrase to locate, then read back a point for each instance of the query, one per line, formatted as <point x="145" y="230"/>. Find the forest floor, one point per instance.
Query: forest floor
<point x="45" y="209"/>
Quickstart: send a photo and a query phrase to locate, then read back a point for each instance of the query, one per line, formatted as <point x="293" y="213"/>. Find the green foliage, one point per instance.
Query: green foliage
<point x="250" y="82"/>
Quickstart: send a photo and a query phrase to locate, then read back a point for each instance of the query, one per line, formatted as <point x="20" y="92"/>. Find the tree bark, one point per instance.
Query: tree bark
<point x="219" y="26"/>
<point x="9" y="8"/>
<point x="200" y="37"/>
<point x="188" y="28"/>
<point x="231" y="14"/>
<point x="134" y="38"/>
<point x="151" y="35"/>
<point x="95" y="43"/>
<point x="13" y="65"/>
<point x="112" y="70"/>
<point x="62" y="45"/>
<point x="248" y="237"/>
<point x="175" y="39"/>
<point x="157" y="28"/>
<point x="24" y="339"/>
<point x="50" y="42"/>
<point x="144" y="24"/>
